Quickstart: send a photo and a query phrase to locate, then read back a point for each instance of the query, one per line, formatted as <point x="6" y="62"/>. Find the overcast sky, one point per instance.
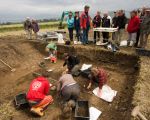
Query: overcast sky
<point x="17" y="10"/>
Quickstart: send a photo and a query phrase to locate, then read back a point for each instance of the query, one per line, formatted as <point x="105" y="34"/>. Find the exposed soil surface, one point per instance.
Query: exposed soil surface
<point x="22" y="55"/>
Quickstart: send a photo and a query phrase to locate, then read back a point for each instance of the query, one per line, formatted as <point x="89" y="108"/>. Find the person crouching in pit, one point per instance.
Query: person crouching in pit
<point x="68" y="88"/>
<point x="52" y="49"/>
<point x="37" y="95"/>
<point x="97" y="75"/>
<point x="72" y="63"/>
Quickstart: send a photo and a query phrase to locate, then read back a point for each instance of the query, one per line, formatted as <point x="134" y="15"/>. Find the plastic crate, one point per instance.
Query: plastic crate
<point x="21" y="101"/>
<point x="82" y="110"/>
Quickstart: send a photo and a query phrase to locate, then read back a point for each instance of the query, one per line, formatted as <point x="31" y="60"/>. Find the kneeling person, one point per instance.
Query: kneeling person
<point x="68" y="88"/>
<point x="99" y="76"/>
<point x="37" y="95"/>
<point x="72" y="63"/>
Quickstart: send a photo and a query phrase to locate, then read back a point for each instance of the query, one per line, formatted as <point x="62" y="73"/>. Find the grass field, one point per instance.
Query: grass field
<point x="17" y="27"/>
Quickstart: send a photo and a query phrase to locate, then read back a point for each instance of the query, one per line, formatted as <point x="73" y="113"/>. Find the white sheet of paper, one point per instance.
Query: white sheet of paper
<point x="94" y="113"/>
<point x="85" y="67"/>
<point x="107" y="93"/>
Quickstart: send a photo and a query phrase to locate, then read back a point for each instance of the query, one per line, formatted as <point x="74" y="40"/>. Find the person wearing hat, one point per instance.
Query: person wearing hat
<point x="77" y="26"/>
<point x="28" y="28"/>
<point x="85" y="24"/>
<point x="132" y="28"/>
<point x="145" y="29"/>
<point x="97" y="75"/>
<point x="97" y="23"/>
<point x="37" y="95"/>
<point x="70" y="23"/>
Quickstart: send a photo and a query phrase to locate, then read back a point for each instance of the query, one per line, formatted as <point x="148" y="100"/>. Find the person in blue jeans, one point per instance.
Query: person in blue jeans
<point x="85" y="24"/>
<point x="70" y="23"/>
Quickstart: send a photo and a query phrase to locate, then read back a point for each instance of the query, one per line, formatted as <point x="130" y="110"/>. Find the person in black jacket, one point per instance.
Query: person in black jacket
<point x="71" y="61"/>
<point x="106" y="24"/>
<point x="77" y="25"/>
<point x="97" y="23"/>
<point x="121" y="23"/>
<point x="114" y="24"/>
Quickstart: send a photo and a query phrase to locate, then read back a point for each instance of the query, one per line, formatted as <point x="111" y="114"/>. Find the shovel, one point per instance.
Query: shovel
<point x="12" y="69"/>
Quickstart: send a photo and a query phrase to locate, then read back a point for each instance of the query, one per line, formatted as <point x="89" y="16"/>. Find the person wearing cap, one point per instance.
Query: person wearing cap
<point x="68" y="88"/>
<point x="77" y="25"/>
<point x="132" y="28"/>
<point x="85" y="24"/>
<point x="70" y="23"/>
<point x="72" y="63"/>
<point x="105" y="24"/>
<point x="37" y="94"/>
<point x="28" y="28"/>
<point x="97" y="75"/>
<point x="145" y="29"/>
<point x="35" y="27"/>
<point x="97" y="23"/>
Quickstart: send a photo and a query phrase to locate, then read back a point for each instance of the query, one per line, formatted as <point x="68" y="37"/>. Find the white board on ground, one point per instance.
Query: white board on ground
<point x="94" y="113"/>
<point x="107" y="93"/>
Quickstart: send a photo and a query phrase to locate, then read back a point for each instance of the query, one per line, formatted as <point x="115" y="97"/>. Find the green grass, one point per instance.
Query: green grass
<point x="17" y="27"/>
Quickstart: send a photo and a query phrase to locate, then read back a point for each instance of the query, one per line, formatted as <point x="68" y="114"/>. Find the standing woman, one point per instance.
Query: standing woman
<point x="70" y="23"/>
<point x="35" y="27"/>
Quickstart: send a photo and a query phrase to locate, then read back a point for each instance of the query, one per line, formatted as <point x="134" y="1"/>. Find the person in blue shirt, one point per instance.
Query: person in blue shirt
<point x="70" y="23"/>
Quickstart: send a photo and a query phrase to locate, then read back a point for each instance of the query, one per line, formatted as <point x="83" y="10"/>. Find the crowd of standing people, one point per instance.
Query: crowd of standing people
<point x="137" y="26"/>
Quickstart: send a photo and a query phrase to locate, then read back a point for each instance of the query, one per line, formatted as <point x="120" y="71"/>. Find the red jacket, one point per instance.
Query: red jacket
<point x="133" y="25"/>
<point x="102" y="77"/>
<point x="83" y="20"/>
<point x="39" y="88"/>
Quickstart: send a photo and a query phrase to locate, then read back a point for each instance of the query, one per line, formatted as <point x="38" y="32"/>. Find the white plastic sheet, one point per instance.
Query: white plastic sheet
<point x="123" y="43"/>
<point x="94" y="113"/>
<point x="107" y="93"/>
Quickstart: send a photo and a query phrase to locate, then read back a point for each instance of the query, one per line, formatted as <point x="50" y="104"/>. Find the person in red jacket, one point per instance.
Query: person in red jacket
<point x="98" y="75"/>
<point x="133" y="27"/>
<point x="85" y="24"/>
<point x="37" y="95"/>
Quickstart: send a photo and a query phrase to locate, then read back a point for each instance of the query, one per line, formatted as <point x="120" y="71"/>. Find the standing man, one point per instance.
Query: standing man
<point x="85" y="24"/>
<point x="70" y="23"/>
<point x="145" y="29"/>
<point x="77" y="25"/>
<point x="106" y="24"/>
<point x="133" y="27"/>
<point x="121" y="23"/>
<point x="97" y="23"/>
<point x="35" y="27"/>
<point x="114" y="25"/>
<point x="28" y="28"/>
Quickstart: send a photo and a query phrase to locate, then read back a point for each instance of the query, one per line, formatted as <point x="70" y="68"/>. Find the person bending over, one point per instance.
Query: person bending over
<point x="72" y="63"/>
<point x="99" y="76"/>
<point x="37" y="95"/>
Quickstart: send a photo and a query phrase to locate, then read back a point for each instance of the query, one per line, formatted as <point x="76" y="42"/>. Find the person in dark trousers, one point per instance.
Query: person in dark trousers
<point x="106" y="24"/>
<point x="70" y="23"/>
<point x="121" y="23"/>
<point x="85" y="24"/>
<point x="97" y="23"/>
<point x="71" y="61"/>
<point x="77" y="26"/>
<point x="114" y="24"/>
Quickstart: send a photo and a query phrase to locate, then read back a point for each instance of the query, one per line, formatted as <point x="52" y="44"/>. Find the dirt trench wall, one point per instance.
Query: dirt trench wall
<point x="99" y="55"/>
